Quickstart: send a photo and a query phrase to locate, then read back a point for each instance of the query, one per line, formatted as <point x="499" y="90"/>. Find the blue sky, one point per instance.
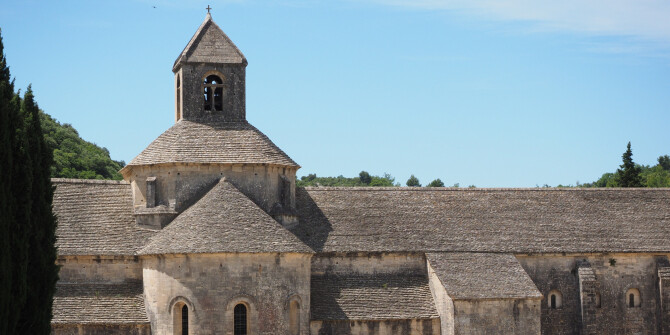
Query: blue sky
<point x="512" y="93"/>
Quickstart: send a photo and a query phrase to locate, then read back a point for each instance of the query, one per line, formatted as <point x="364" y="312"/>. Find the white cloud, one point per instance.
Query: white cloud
<point x="644" y="19"/>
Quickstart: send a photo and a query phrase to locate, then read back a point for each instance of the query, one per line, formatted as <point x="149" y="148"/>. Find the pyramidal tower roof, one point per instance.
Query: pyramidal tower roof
<point x="210" y="44"/>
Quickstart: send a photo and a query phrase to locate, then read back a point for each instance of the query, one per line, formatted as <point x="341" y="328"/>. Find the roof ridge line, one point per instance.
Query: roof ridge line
<point x="88" y="181"/>
<point x="482" y="189"/>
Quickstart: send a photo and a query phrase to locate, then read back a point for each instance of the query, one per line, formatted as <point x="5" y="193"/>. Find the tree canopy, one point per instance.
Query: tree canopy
<point x="413" y="181"/>
<point x="363" y="179"/>
<point x="628" y="175"/>
<point x="27" y="223"/>
<point x="73" y="156"/>
<point x="435" y="183"/>
<point x="631" y="174"/>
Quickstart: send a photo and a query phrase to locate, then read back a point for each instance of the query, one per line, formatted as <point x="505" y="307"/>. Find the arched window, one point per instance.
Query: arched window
<point x="178" y="97"/>
<point x="555" y="299"/>
<point x="597" y="298"/>
<point x="294" y="318"/>
<point x="633" y="298"/>
<point x="180" y="319"/>
<point x="213" y="89"/>
<point x="240" y="326"/>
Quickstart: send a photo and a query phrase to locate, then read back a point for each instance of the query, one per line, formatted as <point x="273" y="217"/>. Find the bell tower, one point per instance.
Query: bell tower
<point x="210" y="140"/>
<point x="210" y="78"/>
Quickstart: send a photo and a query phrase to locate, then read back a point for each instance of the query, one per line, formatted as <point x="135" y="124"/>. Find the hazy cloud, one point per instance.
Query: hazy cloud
<point x="643" y="19"/>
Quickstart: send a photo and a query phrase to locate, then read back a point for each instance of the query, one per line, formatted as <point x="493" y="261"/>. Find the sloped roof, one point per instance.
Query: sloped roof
<point x="484" y="220"/>
<point x="371" y="297"/>
<point x="224" y="220"/>
<point x="214" y="143"/>
<point x="95" y="303"/>
<point x="96" y="218"/>
<point x="210" y="44"/>
<point x="468" y="275"/>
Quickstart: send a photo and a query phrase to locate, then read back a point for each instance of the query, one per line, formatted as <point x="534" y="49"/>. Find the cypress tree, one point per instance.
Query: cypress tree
<point x="8" y="107"/>
<point x="629" y="174"/>
<point x="42" y="271"/>
<point x="27" y="224"/>
<point x="21" y="190"/>
<point x="413" y="182"/>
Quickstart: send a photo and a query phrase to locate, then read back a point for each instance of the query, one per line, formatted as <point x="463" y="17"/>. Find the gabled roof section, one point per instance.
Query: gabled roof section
<point x="210" y="45"/>
<point x="472" y="276"/>
<point x="484" y="220"/>
<point x="99" y="303"/>
<point x="376" y="296"/>
<point x="212" y="143"/>
<point x="224" y="220"/>
<point x="95" y="217"/>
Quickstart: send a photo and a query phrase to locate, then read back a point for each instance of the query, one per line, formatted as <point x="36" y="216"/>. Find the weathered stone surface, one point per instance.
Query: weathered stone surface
<point x="484" y="220"/>
<point x="224" y="220"/>
<point x="212" y="284"/>
<point x="99" y="304"/>
<point x="615" y="274"/>
<point x="96" y="218"/>
<point x="472" y="276"/>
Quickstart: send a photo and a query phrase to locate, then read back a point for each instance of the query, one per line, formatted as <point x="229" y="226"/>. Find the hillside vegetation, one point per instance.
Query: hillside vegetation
<point x="74" y="157"/>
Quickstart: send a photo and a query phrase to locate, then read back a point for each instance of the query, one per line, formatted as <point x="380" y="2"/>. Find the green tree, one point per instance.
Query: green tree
<point x="664" y="162"/>
<point x="656" y="177"/>
<point x="436" y="183"/>
<point x="73" y="157"/>
<point x="365" y="177"/>
<point x="413" y="182"/>
<point x="27" y="224"/>
<point x="628" y="175"/>
<point x="8" y="110"/>
<point x="42" y="271"/>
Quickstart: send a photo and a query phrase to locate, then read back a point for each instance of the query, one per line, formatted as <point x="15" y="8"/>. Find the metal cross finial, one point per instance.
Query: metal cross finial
<point x="208" y="8"/>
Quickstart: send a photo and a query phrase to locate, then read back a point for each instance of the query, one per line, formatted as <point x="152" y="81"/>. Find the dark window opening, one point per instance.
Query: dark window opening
<point x="240" y="320"/>
<point x="553" y="301"/>
<point x="213" y="91"/>
<point x="184" y="320"/>
<point x="178" y="97"/>
<point x="631" y="300"/>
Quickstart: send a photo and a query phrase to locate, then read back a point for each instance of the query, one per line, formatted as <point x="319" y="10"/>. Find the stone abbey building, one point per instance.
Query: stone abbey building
<point x="208" y="234"/>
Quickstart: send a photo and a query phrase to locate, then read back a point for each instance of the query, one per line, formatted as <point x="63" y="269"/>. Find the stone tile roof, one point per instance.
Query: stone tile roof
<point x="371" y="297"/>
<point x="95" y="218"/>
<point x="214" y="143"/>
<point x="224" y="220"/>
<point x="210" y="44"/>
<point x="468" y="276"/>
<point x="95" y="303"/>
<point x="484" y="220"/>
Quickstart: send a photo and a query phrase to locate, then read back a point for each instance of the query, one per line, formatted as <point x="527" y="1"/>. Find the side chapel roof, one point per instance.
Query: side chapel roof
<point x="95" y="217"/>
<point x="224" y="220"/>
<point x="210" y="44"/>
<point x="484" y="220"/>
<point x="376" y="296"/>
<point x="467" y="276"/>
<point x="213" y="143"/>
<point x="99" y="303"/>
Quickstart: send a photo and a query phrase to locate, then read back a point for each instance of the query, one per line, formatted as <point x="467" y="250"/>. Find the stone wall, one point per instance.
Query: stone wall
<point x="614" y="275"/>
<point x="192" y="91"/>
<point x="443" y="303"/>
<point x="383" y="327"/>
<point x="501" y="316"/>
<point x="212" y="284"/>
<point x="100" y="330"/>
<point x="179" y="185"/>
<point x="368" y="263"/>
<point x="107" y="269"/>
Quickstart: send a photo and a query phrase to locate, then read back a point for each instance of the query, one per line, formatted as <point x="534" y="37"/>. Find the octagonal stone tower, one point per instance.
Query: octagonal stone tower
<point x="211" y="140"/>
